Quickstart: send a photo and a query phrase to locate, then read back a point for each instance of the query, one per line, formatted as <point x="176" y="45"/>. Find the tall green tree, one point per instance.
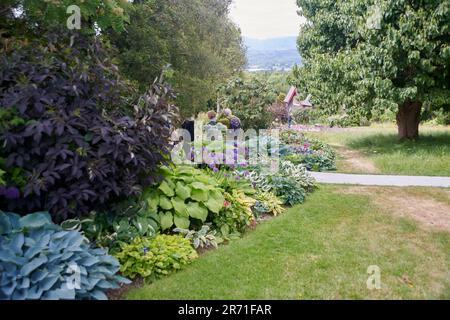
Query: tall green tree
<point x="196" y="37"/>
<point x="368" y="56"/>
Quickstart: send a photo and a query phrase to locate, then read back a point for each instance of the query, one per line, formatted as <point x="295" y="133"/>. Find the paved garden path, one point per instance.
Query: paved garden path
<point x="381" y="180"/>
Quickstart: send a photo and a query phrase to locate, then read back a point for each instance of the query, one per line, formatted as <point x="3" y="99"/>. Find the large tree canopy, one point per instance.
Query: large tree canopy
<point x="369" y="56"/>
<point x="196" y="37"/>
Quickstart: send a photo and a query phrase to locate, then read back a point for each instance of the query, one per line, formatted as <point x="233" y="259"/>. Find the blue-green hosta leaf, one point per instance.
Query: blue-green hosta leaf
<point x="5" y="224"/>
<point x="181" y="222"/>
<point x="35" y="220"/>
<point x="98" y="295"/>
<point x="166" y="220"/>
<point x="215" y="201"/>
<point x="38" y="275"/>
<point x="48" y="282"/>
<point x="165" y="203"/>
<point x="183" y="191"/>
<point x="9" y="288"/>
<point x="89" y="261"/>
<point x="199" y="195"/>
<point x="34" y="293"/>
<point x="60" y="294"/>
<point x="39" y="246"/>
<point x="17" y="242"/>
<point x="180" y="207"/>
<point x="166" y="189"/>
<point x="33" y="265"/>
<point x="24" y="283"/>
<point x="196" y="211"/>
<point x="6" y="255"/>
<point x="19" y="294"/>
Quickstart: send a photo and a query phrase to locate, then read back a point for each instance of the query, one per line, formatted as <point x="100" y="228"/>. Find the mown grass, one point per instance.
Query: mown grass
<point x="429" y="155"/>
<point x="319" y="250"/>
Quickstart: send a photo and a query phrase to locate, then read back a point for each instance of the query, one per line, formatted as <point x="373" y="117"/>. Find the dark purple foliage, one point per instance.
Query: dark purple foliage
<point x="82" y="146"/>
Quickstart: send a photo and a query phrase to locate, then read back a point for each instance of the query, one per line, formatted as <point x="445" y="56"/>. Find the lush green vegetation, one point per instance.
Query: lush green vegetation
<point x="320" y="250"/>
<point x="430" y="155"/>
<point x="196" y="37"/>
<point x="363" y="58"/>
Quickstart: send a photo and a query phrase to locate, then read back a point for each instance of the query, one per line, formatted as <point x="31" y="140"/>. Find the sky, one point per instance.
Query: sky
<point x="263" y="19"/>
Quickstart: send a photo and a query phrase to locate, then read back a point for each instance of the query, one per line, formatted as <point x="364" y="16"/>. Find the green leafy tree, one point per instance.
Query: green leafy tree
<point x="368" y="56"/>
<point x="196" y="37"/>
<point x="39" y="14"/>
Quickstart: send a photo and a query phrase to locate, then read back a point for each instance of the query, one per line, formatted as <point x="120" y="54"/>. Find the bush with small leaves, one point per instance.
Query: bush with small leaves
<point x="154" y="257"/>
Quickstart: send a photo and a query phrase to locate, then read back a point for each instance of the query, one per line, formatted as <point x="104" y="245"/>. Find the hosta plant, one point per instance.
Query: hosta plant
<point x="262" y="178"/>
<point x="236" y="215"/>
<point x="186" y="197"/>
<point x="204" y="238"/>
<point x="268" y="203"/>
<point x="130" y="220"/>
<point x="39" y="260"/>
<point x="289" y="191"/>
<point x="154" y="257"/>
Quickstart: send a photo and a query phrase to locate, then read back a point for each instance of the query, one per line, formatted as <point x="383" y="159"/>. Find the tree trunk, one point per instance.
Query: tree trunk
<point x="408" y="119"/>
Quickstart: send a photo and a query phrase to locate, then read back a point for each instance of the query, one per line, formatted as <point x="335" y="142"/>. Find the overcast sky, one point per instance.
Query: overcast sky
<point x="266" y="18"/>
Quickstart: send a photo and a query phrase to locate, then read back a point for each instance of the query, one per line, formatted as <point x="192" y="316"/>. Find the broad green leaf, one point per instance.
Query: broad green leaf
<point x="199" y="185"/>
<point x="180" y="207"/>
<point x="181" y="222"/>
<point x="199" y="195"/>
<point x="152" y="199"/>
<point x="215" y="201"/>
<point x="183" y="191"/>
<point x="165" y="203"/>
<point x="196" y="211"/>
<point x="166" y="220"/>
<point x="165" y="187"/>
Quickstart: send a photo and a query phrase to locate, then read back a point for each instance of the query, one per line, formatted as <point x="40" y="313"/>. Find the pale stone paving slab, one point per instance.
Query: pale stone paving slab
<point x="381" y="180"/>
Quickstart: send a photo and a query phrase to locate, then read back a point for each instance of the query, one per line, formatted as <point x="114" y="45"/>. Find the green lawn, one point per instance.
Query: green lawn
<point x="319" y="250"/>
<point x="430" y="155"/>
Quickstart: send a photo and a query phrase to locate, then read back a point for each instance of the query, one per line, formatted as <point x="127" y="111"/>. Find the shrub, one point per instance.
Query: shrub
<point x="268" y="203"/>
<point x="261" y="177"/>
<point x="236" y="215"/>
<point x="68" y="133"/>
<point x="288" y="190"/>
<point x="186" y="196"/>
<point x="38" y="260"/>
<point x="151" y="258"/>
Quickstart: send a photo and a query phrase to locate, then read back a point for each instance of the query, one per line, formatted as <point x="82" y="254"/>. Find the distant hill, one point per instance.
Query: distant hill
<point x="272" y="54"/>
